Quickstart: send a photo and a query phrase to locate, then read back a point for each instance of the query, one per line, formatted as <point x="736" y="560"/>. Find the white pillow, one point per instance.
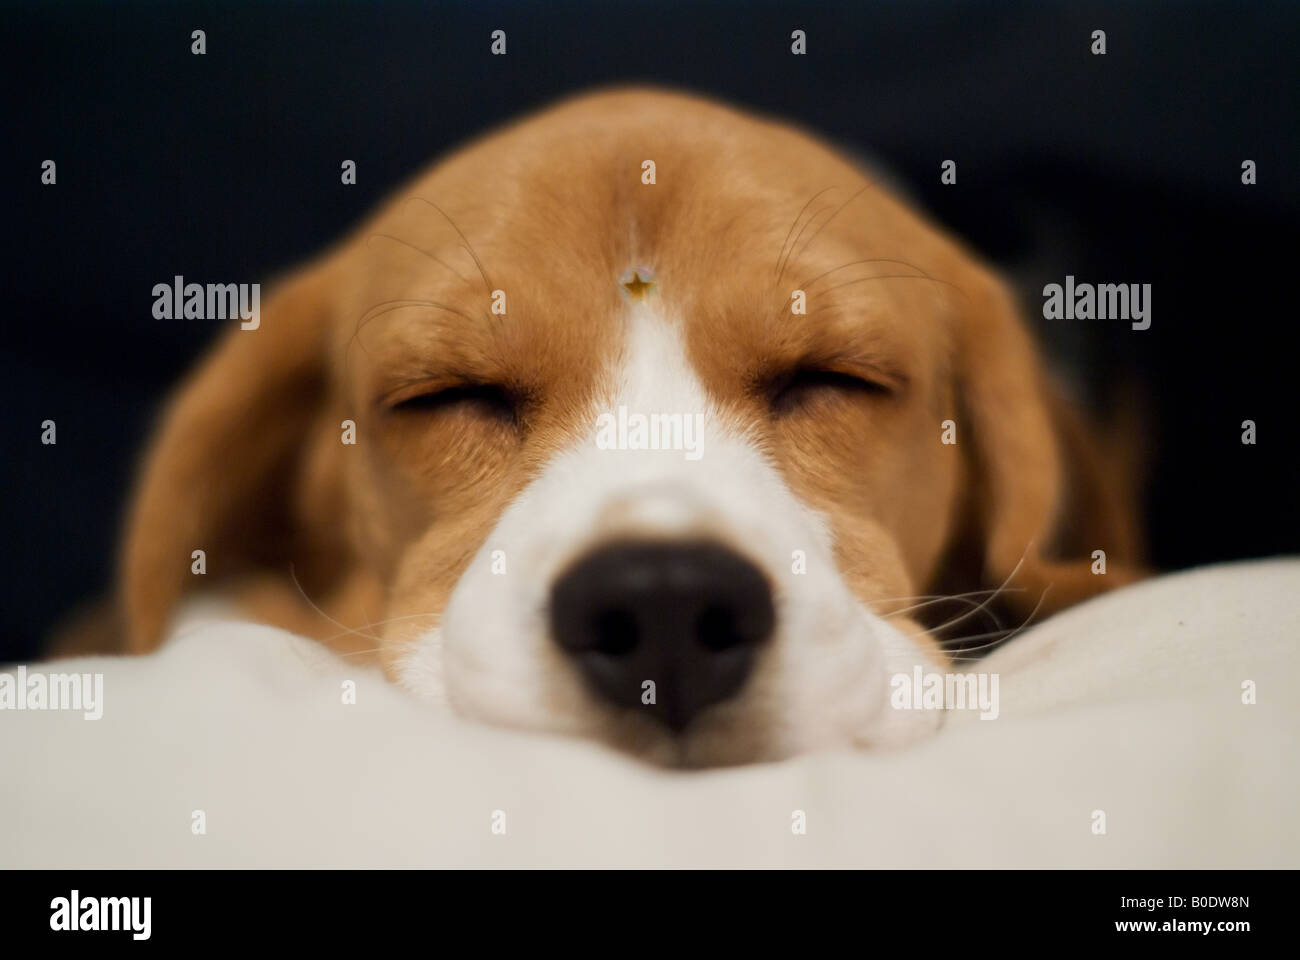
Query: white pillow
<point x="1131" y="705"/>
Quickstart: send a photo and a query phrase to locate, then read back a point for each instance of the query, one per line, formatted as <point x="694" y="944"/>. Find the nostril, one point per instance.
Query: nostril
<point x="615" y="632"/>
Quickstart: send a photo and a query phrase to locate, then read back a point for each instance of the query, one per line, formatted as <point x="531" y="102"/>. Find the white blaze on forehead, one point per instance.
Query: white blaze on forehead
<point x="705" y="485"/>
<point x="655" y="373"/>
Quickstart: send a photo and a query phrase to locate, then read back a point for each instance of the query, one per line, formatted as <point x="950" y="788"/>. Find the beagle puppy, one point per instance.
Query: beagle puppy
<point x="641" y="420"/>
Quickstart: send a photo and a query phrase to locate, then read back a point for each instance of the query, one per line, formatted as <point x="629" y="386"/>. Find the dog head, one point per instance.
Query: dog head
<point x="641" y="420"/>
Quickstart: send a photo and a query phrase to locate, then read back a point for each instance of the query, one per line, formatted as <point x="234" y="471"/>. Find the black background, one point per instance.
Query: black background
<point x="225" y="167"/>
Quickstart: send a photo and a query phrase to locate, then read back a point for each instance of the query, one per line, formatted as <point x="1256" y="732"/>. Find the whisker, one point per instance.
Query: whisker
<point x="463" y="239"/>
<point x="373" y="313"/>
<point x="930" y="603"/>
<point x="778" y="269"/>
<point x="995" y="637"/>
<point x="437" y="260"/>
<point x="346" y="629"/>
<point x="947" y="596"/>
<point x="999" y="642"/>
<point x="861" y="190"/>
<point x="895" y="276"/>
<point x="936" y="596"/>
<point x="902" y="263"/>
<point x="996" y="594"/>
<point x="378" y="623"/>
<point x="404" y="304"/>
<point x="807" y="223"/>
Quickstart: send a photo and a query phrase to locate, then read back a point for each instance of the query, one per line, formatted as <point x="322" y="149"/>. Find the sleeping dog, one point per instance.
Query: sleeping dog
<point x="641" y="420"/>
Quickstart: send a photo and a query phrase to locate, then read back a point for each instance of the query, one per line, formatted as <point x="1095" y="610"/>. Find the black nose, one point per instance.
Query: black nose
<point x="689" y="617"/>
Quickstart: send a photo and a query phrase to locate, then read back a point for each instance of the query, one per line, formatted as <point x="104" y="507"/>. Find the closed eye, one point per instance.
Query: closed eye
<point x="804" y="384"/>
<point x="485" y="398"/>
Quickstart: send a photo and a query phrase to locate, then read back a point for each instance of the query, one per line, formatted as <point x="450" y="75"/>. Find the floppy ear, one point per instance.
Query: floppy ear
<point x="1045" y="496"/>
<point x="221" y="472"/>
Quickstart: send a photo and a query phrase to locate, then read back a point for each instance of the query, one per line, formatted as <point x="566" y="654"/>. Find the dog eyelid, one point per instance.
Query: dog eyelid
<point x="783" y="389"/>
<point x="437" y="396"/>
<point x="398" y="392"/>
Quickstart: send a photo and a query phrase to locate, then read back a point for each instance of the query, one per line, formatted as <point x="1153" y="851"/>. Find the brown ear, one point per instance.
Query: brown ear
<point x="220" y="472"/>
<point x="1045" y="496"/>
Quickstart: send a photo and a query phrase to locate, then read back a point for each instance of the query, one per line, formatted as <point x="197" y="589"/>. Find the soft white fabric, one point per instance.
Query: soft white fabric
<point x="1130" y="704"/>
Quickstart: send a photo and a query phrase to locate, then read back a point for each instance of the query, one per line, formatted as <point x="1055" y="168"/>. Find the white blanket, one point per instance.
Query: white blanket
<point x="1130" y="705"/>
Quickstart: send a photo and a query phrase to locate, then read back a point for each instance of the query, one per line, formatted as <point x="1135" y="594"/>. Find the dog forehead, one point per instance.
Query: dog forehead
<point x="532" y="234"/>
<point x="640" y="165"/>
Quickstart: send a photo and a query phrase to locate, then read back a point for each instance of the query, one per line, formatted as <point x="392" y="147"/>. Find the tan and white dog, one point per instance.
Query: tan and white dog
<point x="632" y="421"/>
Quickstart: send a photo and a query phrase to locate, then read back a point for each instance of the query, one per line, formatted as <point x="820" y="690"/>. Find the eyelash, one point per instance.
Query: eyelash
<point x="784" y="391"/>
<point x="490" y="397"/>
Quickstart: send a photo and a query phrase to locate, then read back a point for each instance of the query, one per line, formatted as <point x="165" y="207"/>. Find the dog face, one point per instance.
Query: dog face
<point x="659" y="454"/>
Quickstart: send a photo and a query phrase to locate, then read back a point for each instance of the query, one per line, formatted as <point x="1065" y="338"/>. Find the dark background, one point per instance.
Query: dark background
<point x="225" y="167"/>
